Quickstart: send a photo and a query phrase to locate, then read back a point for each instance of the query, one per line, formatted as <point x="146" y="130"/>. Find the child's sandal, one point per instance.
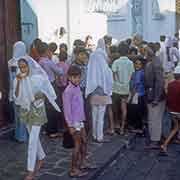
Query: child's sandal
<point x="78" y="174"/>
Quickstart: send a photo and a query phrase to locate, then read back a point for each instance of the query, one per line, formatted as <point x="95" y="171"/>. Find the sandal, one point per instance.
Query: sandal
<point x="88" y="167"/>
<point x="103" y="141"/>
<point x="77" y="174"/>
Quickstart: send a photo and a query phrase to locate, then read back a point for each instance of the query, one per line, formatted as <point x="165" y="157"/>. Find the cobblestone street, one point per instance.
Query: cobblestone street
<point x="137" y="163"/>
<point x="58" y="161"/>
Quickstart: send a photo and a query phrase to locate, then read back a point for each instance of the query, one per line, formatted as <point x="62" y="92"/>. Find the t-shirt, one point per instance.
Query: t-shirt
<point x="174" y="96"/>
<point x="123" y="68"/>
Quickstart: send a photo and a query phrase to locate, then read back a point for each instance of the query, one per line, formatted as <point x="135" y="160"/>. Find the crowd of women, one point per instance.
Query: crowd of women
<point x="133" y="85"/>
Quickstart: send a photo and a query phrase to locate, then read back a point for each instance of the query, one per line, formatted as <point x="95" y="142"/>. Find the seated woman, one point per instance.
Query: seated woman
<point x="31" y="87"/>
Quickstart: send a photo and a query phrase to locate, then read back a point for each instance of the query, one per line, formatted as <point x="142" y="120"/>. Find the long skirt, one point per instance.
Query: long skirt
<point x="52" y="126"/>
<point x="21" y="133"/>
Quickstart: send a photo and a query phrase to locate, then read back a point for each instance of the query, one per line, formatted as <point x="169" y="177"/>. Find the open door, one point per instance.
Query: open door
<point x="29" y="23"/>
<point x="9" y="33"/>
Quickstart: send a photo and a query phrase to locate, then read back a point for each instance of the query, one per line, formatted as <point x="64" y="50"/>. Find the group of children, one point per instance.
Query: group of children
<point x="109" y="81"/>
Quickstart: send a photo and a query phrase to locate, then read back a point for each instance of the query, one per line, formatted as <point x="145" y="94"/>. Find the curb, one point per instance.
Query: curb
<point x="100" y="169"/>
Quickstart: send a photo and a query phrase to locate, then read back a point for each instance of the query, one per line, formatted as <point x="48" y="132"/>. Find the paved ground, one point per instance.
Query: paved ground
<point x="13" y="158"/>
<point x="137" y="163"/>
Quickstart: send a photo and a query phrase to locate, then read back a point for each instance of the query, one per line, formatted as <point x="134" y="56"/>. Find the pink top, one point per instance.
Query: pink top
<point x="62" y="80"/>
<point x="73" y="105"/>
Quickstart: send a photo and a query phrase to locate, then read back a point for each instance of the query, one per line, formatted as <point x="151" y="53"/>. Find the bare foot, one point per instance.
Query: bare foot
<point x="30" y="176"/>
<point x="163" y="148"/>
<point x="40" y="164"/>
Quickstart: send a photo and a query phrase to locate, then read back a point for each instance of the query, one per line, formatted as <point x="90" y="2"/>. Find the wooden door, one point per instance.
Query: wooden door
<point x="9" y="34"/>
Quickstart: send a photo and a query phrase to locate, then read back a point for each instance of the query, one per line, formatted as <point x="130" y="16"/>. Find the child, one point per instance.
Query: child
<point x="62" y="80"/>
<point x="136" y="112"/>
<point x="75" y="117"/>
<point x="173" y="97"/>
<point x="52" y="47"/>
<point x="81" y="60"/>
<point x="122" y="69"/>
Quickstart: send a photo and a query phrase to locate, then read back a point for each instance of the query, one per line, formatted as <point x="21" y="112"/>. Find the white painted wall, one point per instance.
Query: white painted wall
<point x="53" y="14"/>
<point x="154" y="28"/>
<point x="120" y="27"/>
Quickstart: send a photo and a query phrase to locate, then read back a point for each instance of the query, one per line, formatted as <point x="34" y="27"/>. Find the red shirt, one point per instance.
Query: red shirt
<point x="174" y="96"/>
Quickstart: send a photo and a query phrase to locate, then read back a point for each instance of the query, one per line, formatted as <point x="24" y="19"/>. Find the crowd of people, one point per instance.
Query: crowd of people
<point x="133" y="86"/>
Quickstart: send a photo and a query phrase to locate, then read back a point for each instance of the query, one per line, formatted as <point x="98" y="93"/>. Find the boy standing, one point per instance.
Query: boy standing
<point x="122" y="69"/>
<point x="75" y="117"/>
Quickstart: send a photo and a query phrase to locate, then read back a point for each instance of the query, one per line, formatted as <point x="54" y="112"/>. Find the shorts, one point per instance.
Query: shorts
<point x="175" y="114"/>
<point x="78" y="126"/>
<point x="119" y="97"/>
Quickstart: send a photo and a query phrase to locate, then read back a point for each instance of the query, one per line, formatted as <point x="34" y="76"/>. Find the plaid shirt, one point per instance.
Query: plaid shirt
<point x="83" y="68"/>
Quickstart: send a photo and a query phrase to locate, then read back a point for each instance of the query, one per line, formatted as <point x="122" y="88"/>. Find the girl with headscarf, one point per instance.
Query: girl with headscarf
<point x="19" y="49"/>
<point x="99" y="88"/>
<point x="31" y="87"/>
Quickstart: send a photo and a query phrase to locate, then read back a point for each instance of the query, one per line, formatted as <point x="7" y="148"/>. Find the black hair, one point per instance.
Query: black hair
<point x="141" y="59"/>
<point x="52" y="47"/>
<point x="43" y="48"/>
<point x="79" y="43"/>
<point x="63" y="56"/>
<point x="74" y="71"/>
<point x="107" y="39"/>
<point x="152" y="46"/>
<point x="79" y="50"/>
<point x="177" y="76"/>
<point x="129" y="41"/>
<point x="114" y="49"/>
<point x="63" y="45"/>
<point x="123" y="49"/>
<point x="162" y="38"/>
<point x="23" y="60"/>
<point x="133" y="49"/>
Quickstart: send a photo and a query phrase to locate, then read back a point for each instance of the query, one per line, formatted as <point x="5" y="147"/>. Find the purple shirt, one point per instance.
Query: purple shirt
<point x="73" y="105"/>
<point x="51" y="68"/>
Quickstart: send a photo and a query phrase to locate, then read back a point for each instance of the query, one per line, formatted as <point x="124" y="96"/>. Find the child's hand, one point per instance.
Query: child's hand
<point x="72" y="130"/>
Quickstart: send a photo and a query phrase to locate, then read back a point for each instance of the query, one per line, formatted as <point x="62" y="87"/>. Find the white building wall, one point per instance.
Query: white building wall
<point x="53" y="14"/>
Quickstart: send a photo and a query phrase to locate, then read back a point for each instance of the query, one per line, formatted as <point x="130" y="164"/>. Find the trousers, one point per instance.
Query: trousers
<point x="155" y="117"/>
<point x="98" y="112"/>
<point x="35" y="150"/>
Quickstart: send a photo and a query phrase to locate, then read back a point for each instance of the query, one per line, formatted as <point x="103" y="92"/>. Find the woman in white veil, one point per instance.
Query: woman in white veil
<point x="99" y="88"/>
<point x="19" y="49"/>
<point x="31" y="87"/>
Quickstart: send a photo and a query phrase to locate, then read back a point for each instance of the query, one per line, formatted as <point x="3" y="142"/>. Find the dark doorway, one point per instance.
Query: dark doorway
<point x="9" y="33"/>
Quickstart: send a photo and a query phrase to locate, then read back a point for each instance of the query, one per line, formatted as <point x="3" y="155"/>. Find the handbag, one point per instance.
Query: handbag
<point x="133" y="99"/>
<point x="68" y="141"/>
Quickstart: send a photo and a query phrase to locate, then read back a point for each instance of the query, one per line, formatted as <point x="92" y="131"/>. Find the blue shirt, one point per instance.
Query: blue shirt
<point x="138" y="82"/>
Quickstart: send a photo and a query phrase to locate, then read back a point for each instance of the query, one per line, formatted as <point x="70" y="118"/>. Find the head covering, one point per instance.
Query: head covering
<point x="19" y="49"/>
<point x="101" y="46"/>
<point x="99" y="74"/>
<point x="36" y="81"/>
<point x="169" y="42"/>
<point x="177" y="70"/>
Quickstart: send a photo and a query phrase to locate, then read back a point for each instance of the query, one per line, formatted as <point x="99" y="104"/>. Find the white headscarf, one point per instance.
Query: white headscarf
<point x="99" y="74"/>
<point x="36" y="81"/>
<point x="19" y="50"/>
